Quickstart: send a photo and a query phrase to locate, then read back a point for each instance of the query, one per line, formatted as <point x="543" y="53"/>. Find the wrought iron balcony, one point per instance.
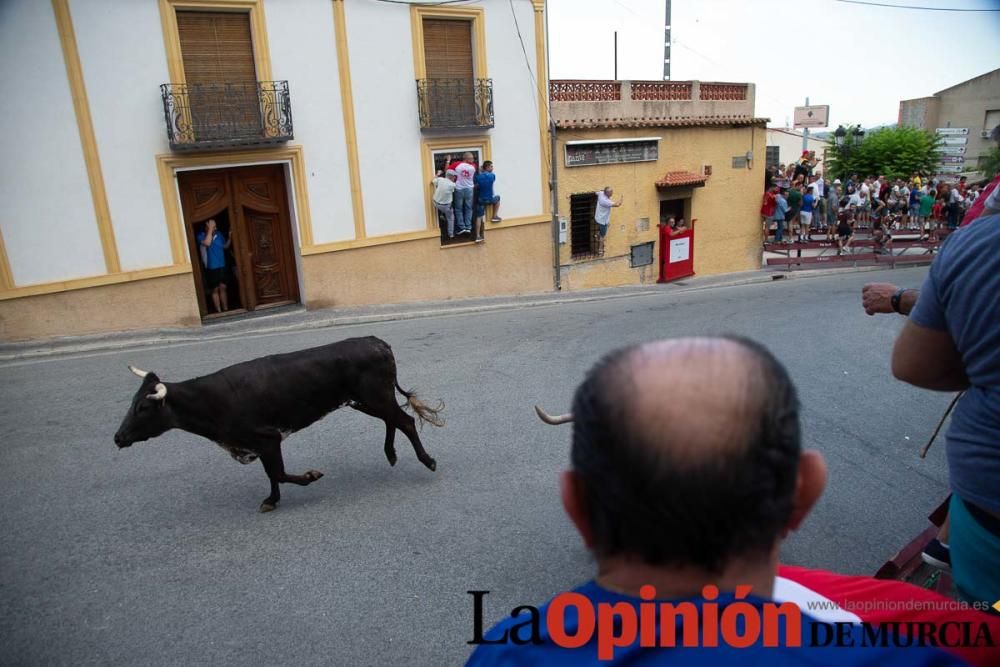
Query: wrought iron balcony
<point x="217" y="115"/>
<point x="455" y="103"/>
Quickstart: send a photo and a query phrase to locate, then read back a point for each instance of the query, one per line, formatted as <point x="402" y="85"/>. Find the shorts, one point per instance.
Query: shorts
<point x="481" y="205"/>
<point x="805" y="218"/>
<point x="602" y="229"/>
<point x="844" y="232"/>
<point x="215" y="277"/>
<point x="791" y="214"/>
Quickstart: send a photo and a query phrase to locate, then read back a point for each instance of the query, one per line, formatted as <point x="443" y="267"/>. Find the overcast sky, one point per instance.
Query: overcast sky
<point x="861" y="60"/>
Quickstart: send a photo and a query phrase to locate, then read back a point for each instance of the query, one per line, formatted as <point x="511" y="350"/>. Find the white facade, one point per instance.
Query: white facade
<point x="789" y="143"/>
<point x="54" y="238"/>
<point x="48" y="222"/>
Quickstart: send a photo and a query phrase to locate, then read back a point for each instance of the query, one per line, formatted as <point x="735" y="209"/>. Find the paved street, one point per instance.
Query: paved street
<point x="157" y="555"/>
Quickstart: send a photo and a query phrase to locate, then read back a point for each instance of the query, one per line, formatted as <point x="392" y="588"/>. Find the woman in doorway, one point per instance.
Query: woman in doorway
<point x="214" y="258"/>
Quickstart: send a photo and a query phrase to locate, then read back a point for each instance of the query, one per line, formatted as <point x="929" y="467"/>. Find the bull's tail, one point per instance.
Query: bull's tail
<point x="424" y="412"/>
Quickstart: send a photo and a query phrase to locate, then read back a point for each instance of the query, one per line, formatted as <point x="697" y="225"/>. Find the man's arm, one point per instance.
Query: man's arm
<point x="877" y="298"/>
<point x="927" y="358"/>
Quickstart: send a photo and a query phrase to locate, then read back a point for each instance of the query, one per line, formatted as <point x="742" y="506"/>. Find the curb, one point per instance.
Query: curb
<point x="81" y="345"/>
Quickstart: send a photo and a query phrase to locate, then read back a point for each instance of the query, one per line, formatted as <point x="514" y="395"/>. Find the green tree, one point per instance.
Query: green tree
<point x="989" y="163"/>
<point x="896" y="152"/>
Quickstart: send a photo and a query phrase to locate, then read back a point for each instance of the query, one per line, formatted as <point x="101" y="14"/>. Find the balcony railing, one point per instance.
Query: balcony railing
<point x="455" y="103"/>
<point x="218" y="115"/>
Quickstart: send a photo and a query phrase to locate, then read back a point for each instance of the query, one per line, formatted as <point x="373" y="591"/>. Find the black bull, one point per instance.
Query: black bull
<point x="249" y="408"/>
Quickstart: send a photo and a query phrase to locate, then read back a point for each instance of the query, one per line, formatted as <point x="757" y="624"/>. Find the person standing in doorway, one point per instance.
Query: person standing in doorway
<point x="444" y="192"/>
<point x="602" y="216"/>
<point x="466" y="172"/>
<point x="484" y="181"/>
<point x="214" y="258"/>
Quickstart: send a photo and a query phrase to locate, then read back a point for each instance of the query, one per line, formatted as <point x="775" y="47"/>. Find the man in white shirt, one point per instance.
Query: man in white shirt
<point x="602" y="216"/>
<point x="444" y="192"/>
<point x="465" y="173"/>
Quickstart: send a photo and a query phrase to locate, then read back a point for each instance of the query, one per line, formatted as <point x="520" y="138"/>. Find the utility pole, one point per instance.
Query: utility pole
<point x="666" y="45"/>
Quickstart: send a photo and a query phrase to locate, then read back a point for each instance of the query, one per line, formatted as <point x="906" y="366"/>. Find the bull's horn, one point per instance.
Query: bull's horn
<point x="555" y="421"/>
<point x="160" y="393"/>
<point x="138" y="371"/>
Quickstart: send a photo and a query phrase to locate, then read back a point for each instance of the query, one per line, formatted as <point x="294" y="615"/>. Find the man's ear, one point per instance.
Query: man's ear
<point x="809" y="484"/>
<point x="571" y="492"/>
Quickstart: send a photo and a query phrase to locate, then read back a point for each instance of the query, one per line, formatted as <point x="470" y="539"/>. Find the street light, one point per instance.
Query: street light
<point x="839" y="136"/>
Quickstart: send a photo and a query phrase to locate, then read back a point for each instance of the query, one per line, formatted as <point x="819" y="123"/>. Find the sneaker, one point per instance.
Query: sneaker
<point x="465" y="231"/>
<point x="480" y="240"/>
<point x="496" y="218"/>
<point x="937" y="554"/>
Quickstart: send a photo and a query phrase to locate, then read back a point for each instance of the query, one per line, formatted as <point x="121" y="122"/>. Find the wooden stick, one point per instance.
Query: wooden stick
<point x="923" y="452"/>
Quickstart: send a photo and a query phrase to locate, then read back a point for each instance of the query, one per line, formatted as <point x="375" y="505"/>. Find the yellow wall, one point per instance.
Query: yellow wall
<point x="143" y="304"/>
<point x="515" y="260"/>
<point x="727" y="234"/>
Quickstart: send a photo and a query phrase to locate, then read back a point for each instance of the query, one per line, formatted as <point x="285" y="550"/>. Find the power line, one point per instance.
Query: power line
<point x="931" y="9"/>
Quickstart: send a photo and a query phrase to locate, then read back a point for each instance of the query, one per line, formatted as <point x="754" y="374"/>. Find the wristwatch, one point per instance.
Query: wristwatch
<point x="896" y="297"/>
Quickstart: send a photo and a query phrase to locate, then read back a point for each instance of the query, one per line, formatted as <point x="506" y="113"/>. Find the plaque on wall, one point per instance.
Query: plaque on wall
<point x="589" y="153"/>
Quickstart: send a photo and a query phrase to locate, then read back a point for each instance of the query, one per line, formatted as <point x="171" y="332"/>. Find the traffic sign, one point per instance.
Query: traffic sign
<point x="952" y="130"/>
<point x="812" y="116"/>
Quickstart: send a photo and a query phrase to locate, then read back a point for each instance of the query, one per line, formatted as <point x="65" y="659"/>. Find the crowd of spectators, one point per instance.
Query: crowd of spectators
<point x="803" y="204"/>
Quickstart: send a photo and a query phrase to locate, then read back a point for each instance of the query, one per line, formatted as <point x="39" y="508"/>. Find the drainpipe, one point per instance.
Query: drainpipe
<point x="554" y="189"/>
<point x="553" y="179"/>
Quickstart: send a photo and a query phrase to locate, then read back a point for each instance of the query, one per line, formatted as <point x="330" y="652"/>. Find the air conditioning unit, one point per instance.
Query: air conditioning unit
<point x="985" y="134"/>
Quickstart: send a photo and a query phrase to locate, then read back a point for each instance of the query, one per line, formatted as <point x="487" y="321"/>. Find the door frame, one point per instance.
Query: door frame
<point x="298" y="220"/>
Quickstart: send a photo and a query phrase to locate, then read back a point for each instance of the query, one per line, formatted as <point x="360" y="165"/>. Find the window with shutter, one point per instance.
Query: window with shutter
<point x="216" y="47"/>
<point x="450" y="72"/>
<point x="217" y="53"/>
<point x="448" y="49"/>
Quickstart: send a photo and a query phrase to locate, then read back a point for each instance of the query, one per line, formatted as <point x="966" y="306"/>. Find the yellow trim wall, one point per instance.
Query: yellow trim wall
<point x="542" y="83"/>
<point x="727" y="234"/>
<point x="164" y="301"/>
<point x="88" y="141"/>
<point x="350" y="129"/>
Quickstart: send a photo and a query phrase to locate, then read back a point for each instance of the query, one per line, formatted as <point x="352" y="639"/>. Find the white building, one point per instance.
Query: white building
<point x="308" y="129"/>
<point x="785" y="146"/>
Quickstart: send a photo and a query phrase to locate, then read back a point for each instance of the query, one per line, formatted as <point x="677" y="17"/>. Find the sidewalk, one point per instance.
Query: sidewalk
<point x="300" y="319"/>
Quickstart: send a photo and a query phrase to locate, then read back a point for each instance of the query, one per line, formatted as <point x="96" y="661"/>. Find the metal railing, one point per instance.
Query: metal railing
<point x="216" y="115"/>
<point x="455" y="103"/>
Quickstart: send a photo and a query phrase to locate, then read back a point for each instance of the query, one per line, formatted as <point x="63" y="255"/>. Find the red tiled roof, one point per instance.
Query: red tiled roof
<point x="672" y="179"/>
<point x="660" y="121"/>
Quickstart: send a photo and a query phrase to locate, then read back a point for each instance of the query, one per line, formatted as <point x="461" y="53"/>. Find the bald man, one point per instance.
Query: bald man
<point x="687" y="473"/>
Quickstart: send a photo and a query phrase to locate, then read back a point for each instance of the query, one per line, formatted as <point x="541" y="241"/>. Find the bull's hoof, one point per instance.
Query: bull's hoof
<point x="266" y="507"/>
<point x="431" y="464"/>
<point x="391" y="458"/>
<point x="313" y="475"/>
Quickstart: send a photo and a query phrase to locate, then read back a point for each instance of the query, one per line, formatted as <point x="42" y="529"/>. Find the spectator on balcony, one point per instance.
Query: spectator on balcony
<point x="485" y="180"/>
<point x="602" y="216"/>
<point x="464" y="184"/>
<point x="444" y="194"/>
<point x="213" y="254"/>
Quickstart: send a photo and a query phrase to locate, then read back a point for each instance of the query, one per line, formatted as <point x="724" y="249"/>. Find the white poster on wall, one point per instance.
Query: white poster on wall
<point x="680" y="250"/>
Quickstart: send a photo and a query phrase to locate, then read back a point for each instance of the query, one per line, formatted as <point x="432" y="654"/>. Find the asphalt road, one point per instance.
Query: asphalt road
<point x="157" y="555"/>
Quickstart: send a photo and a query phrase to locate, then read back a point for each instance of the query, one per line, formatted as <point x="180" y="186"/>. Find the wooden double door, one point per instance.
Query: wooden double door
<point x="250" y="209"/>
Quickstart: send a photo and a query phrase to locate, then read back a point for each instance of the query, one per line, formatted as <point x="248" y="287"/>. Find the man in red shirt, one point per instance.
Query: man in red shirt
<point x="767" y="205"/>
